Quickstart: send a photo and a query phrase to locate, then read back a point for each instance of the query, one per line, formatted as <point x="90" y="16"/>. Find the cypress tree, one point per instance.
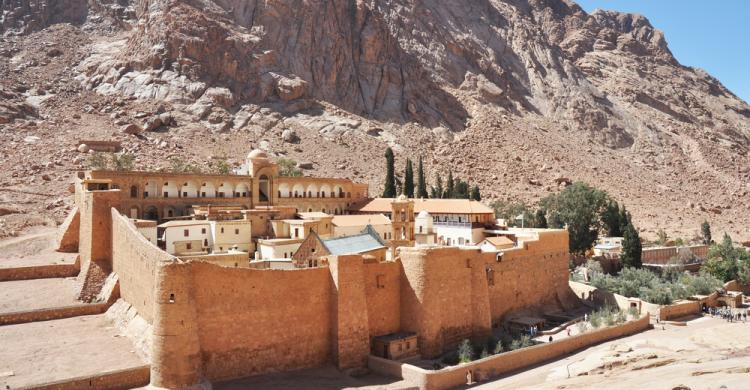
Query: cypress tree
<point x="437" y="191"/>
<point x="421" y="182"/>
<point x="449" y="187"/>
<point x="409" y="179"/>
<point x="706" y="233"/>
<point x="631" y="247"/>
<point x="625" y="219"/>
<point x="390" y="176"/>
<point x="475" y="195"/>
<point x="541" y="219"/>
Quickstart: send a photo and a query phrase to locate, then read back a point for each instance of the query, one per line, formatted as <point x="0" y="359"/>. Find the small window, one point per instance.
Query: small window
<point x="236" y="231"/>
<point x="186" y="233"/>
<point x="203" y="231"/>
<point x="189" y="246"/>
<point x="171" y="298"/>
<point x="408" y="345"/>
<point x="205" y="242"/>
<point x="222" y="230"/>
<point x="312" y="250"/>
<point x="184" y="194"/>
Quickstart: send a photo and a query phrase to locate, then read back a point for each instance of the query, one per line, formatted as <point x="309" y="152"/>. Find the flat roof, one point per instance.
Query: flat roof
<point x="191" y="222"/>
<point x="432" y="206"/>
<point x="360" y="220"/>
<point x="314" y="215"/>
<point x="501" y="241"/>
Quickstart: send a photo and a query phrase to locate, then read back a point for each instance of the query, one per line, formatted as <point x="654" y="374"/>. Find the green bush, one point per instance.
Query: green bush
<point x="649" y="286"/>
<point x="521" y="342"/>
<point x="582" y="327"/>
<point x="465" y="352"/>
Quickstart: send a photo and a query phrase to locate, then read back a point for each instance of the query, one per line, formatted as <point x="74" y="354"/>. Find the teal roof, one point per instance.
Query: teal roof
<point x="366" y="241"/>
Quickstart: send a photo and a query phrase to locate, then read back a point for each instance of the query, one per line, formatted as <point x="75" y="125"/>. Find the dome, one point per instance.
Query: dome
<point x="424" y="215"/>
<point x="257" y="153"/>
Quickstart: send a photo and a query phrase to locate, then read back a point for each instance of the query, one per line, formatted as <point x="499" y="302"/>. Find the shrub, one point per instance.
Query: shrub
<point x="98" y="161"/>
<point x="595" y="319"/>
<point x="288" y="167"/>
<point x="633" y="312"/>
<point x="582" y="327"/>
<point x="484" y="353"/>
<point x="521" y="342"/>
<point x="621" y="317"/>
<point x="498" y="348"/>
<point x="465" y="352"/>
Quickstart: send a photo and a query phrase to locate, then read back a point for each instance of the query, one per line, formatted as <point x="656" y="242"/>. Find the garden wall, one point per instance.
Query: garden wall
<point x="506" y="362"/>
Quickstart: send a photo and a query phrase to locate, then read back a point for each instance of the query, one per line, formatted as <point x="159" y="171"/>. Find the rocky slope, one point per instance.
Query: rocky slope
<point x="509" y="94"/>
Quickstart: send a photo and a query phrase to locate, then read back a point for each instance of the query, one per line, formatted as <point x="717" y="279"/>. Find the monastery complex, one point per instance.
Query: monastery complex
<point x="244" y="274"/>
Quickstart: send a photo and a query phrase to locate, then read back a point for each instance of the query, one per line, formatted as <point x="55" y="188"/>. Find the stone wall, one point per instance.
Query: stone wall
<point x="679" y="309"/>
<point x="254" y="321"/>
<point x="121" y="379"/>
<point x="40" y="271"/>
<point x="69" y="231"/>
<point x="496" y="365"/>
<point x="533" y="275"/>
<point x="135" y="260"/>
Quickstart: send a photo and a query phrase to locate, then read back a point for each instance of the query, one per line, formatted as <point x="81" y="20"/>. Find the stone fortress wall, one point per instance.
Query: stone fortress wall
<point x="216" y="323"/>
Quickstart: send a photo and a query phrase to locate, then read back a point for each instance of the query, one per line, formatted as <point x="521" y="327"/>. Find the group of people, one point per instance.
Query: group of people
<point x="727" y="313"/>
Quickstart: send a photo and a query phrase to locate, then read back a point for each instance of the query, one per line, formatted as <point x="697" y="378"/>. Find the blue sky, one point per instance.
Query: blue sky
<point x="713" y="35"/>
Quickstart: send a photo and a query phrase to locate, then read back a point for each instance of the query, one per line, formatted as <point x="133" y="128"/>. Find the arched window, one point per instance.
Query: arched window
<point x="133" y="191"/>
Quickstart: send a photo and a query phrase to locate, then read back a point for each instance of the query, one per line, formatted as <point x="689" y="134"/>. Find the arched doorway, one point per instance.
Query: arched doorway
<point x="263" y="184"/>
<point x="151" y="213"/>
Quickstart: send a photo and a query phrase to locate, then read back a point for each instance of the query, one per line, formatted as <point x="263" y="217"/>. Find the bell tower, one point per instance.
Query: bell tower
<point x="402" y="221"/>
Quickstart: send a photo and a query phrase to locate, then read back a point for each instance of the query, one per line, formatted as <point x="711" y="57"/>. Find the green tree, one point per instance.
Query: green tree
<point x="625" y="219"/>
<point x="122" y="161"/>
<point x="409" y="179"/>
<point x="421" y="181"/>
<point x="726" y="262"/>
<point x="578" y="206"/>
<point x="661" y="237"/>
<point x="437" y="190"/>
<point x="179" y="165"/>
<point x="98" y="162"/>
<point x="288" y="167"/>
<point x="540" y="219"/>
<point x="389" y="190"/>
<point x="460" y="189"/>
<point x="222" y="167"/>
<point x="509" y="211"/>
<point x="611" y="219"/>
<point x="449" y="186"/>
<point x="706" y="233"/>
<point x="631" y="247"/>
<point x="475" y="195"/>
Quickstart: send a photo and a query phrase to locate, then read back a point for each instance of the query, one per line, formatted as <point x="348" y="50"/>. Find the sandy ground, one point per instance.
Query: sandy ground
<point x="42" y="352"/>
<point x="314" y="379"/>
<point x="708" y="353"/>
<point x="35" y="247"/>
<point x="26" y="295"/>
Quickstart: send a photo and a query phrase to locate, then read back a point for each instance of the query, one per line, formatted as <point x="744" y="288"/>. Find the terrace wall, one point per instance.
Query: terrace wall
<point x="495" y="365"/>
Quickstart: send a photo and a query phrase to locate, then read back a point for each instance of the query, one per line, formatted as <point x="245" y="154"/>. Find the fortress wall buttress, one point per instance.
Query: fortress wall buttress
<point x="176" y="361"/>
<point x="382" y="286"/>
<point x="438" y="297"/>
<point x="258" y="321"/>
<point x="350" y="331"/>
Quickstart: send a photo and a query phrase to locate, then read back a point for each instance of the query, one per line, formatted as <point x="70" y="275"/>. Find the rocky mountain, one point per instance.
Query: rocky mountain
<point x="511" y="94"/>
